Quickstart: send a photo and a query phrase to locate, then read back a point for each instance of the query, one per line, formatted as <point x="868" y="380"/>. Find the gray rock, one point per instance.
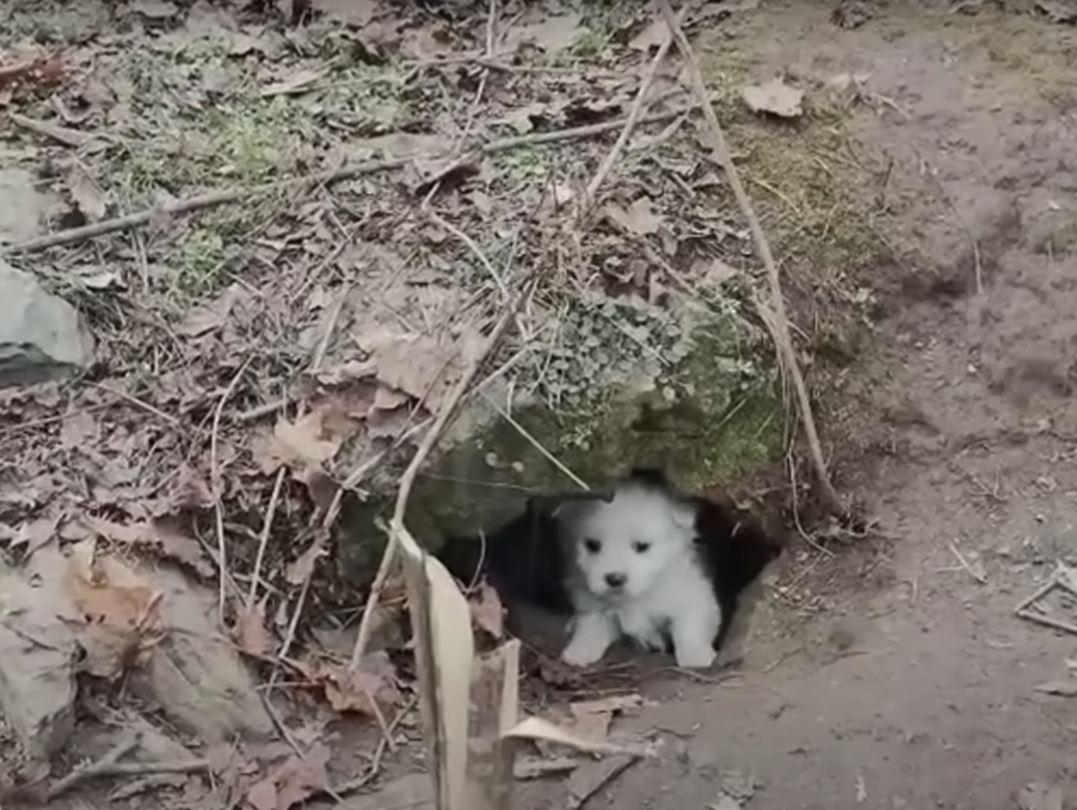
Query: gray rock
<point x="37" y="681"/>
<point x="21" y="205"/>
<point x="41" y="336"/>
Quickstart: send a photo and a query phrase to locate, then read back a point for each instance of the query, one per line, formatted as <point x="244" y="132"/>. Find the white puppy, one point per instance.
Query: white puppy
<point x="634" y="570"/>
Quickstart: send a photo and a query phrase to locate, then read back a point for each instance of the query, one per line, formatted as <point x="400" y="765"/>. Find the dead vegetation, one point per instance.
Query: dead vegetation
<point x="299" y="249"/>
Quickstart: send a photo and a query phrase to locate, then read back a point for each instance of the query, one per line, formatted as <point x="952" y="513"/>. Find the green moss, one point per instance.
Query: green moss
<point x="713" y="419"/>
<point x="199" y="260"/>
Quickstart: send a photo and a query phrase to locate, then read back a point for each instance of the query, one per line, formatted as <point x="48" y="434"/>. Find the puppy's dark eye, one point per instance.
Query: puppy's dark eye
<point x="592" y="545"/>
<point x="639" y="546"/>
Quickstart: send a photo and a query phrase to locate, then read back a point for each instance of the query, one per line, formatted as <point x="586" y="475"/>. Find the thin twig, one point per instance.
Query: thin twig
<point x="68" y="137"/>
<point x="550" y="457"/>
<point x="108" y="760"/>
<point x="379" y="752"/>
<point x="263" y="539"/>
<point x="471" y="245"/>
<point x="215" y="482"/>
<point x="265" y="409"/>
<point x="633" y="116"/>
<point x="138" y="402"/>
<point x="762" y="246"/>
<point x="965" y="564"/>
<point x="164" y="766"/>
<point x="407" y="480"/>
<point x="230" y="195"/>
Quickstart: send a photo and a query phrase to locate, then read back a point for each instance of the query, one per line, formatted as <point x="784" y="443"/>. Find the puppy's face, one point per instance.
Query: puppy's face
<point x="622" y="547"/>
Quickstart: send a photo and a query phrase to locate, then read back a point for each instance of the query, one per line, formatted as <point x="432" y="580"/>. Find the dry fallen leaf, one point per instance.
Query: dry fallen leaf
<point x="213" y="315"/>
<point x="304" y="442"/>
<point x="296" y="780"/>
<point x="532" y="767"/>
<point x="120" y="608"/>
<point x="487" y="612"/>
<point x="249" y="630"/>
<point x="714" y="272"/>
<point x="86" y="193"/>
<point x="78" y="430"/>
<point x="593" y="717"/>
<point x="190" y="491"/>
<point x="365" y="690"/>
<point x="638" y="219"/>
<point x="423" y="367"/>
<point x="774" y="97"/>
<point x="162" y="535"/>
<point x="538" y="729"/>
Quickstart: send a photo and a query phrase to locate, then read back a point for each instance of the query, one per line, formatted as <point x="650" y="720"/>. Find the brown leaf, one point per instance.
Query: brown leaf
<point x="422" y="367"/>
<point x="300" y="570"/>
<point x="296" y="780"/>
<point x="639" y="219"/>
<point x="487" y="612"/>
<point x="250" y="631"/>
<point x="213" y="315"/>
<point x="593" y="717"/>
<point x="714" y="272"/>
<point x="364" y="690"/>
<point x="315" y="438"/>
<point x="190" y="491"/>
<point x="774" y="97"/>
<point x="347" y="372"/>
<point x="300" y="443"/>
<point x="78" y="430"/>
<point x="33" y="534"/>
<point x="387" y="399"/>
<point x="532" y="767"/>
<point x="163" y="535"/>
<point x="119" y="606"/>
<point x="86" y="193"/>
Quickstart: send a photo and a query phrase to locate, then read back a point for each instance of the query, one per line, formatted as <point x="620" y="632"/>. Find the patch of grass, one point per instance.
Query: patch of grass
<point x="249" y="140"/>
<point x="198" y="262"/>
<point x="371" y="98"/>
<point x="524" y="165"/>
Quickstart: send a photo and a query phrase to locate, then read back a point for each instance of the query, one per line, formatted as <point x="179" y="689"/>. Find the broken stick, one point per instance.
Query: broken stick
<point x="762" y="246"/>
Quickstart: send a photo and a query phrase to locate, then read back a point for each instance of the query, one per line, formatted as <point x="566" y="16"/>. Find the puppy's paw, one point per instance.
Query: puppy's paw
<point x="696" y="656"/>
<point x="581" y="654"/>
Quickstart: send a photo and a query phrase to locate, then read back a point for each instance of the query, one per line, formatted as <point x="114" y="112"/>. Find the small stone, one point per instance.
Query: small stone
<point x="518" y="467"/>
<point x="491" y="460"/>
<point x="41" y="336"/>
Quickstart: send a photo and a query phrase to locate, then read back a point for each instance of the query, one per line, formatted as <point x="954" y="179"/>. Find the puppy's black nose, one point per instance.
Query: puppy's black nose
<point x="616" y="580"/>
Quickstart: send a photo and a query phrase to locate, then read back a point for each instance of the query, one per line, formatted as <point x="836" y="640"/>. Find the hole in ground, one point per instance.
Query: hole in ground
<point x="525" y="563"/>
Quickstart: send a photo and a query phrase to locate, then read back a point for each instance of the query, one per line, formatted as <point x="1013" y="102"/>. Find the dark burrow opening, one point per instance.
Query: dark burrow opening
<point x="523" y="561"/>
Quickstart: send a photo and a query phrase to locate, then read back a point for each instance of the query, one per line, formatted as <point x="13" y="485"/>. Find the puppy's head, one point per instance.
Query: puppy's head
<point x="622" y="546"/>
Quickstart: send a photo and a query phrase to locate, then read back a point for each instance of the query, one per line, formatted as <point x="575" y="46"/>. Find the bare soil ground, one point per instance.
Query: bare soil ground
<point x="883" y="671"/>
<point x="914" y="684"/>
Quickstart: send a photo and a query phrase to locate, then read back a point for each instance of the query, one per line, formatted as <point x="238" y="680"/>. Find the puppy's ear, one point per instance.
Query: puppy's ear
<point x="650" y="476"/>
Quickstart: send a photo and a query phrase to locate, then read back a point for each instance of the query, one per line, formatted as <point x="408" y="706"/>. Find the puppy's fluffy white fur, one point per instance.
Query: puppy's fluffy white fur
<point x="634" y="571"/>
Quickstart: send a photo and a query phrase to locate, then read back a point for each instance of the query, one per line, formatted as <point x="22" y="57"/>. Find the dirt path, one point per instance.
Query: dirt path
<point x="914" y="685"/>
